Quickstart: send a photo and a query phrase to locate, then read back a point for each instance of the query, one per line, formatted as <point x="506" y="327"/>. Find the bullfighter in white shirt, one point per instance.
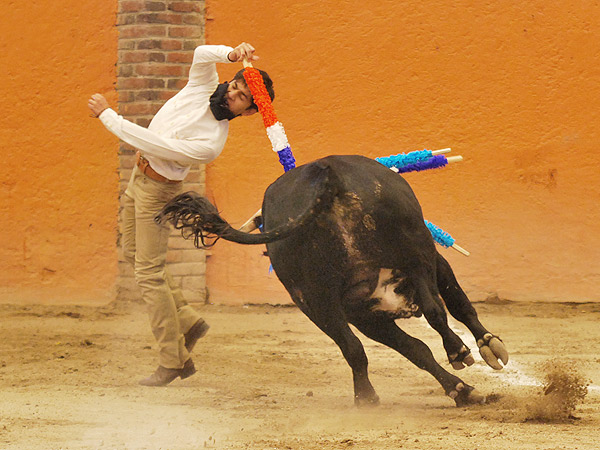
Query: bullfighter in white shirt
<point x="190" y="128"/>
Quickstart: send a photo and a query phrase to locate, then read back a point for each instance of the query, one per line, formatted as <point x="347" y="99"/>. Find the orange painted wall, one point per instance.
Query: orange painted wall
<point x="510" y="86"/>
<point x="58" y="183"/>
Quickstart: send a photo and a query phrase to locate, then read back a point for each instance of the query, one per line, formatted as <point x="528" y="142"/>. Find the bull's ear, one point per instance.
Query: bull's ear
<point x="250" y="111"/>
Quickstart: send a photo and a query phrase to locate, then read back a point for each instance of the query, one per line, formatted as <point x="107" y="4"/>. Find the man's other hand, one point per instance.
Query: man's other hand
<point x="97" y="103"/>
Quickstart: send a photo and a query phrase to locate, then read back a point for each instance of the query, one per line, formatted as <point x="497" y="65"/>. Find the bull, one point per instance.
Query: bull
<point x="347" y="239"/>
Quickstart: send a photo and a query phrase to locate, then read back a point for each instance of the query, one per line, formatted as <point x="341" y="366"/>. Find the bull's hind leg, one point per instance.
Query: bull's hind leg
<point x="433" y="310"/>
<point x="491" y="347"/>
<point x="383" y="329"/>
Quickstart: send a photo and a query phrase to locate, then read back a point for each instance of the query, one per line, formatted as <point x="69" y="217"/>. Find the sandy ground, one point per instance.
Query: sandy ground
<point x="269" y="379"/>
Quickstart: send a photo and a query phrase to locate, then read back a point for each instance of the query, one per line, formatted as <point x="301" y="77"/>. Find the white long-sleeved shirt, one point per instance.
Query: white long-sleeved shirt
<point x="184" y="131"/>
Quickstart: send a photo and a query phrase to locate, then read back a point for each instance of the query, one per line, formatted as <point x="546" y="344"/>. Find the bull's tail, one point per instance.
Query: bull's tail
<point x="196" y="217"/>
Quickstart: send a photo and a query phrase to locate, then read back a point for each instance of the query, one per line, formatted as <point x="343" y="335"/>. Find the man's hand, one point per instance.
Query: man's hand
<point x="97" y="103"/>
<point x="242" y="51"/>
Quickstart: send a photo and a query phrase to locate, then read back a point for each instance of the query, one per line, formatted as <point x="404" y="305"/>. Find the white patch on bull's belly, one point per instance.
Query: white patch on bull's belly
<point x="389" y="301"/>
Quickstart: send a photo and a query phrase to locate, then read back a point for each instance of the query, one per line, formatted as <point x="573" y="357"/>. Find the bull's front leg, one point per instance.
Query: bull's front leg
<point x="491" y="348"/>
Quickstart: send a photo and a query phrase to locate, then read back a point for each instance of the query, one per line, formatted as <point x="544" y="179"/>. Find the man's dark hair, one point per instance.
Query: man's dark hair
<point x="266" y="79"/>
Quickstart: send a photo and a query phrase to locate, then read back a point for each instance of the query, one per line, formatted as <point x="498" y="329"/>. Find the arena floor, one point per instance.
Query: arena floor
<point x="269" y="379"/>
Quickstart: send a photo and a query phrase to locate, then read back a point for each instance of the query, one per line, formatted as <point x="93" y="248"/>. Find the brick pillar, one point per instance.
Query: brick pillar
<point x="156" y="45"/>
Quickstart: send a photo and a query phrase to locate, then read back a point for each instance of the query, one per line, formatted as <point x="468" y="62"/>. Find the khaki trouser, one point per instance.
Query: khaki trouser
<point x="145" y="246"/>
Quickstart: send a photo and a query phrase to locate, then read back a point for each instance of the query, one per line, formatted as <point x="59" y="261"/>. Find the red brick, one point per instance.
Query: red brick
<point x="176" y="84"/>
<point x="143" y="121"/>
<point x="192" y="19"/>
<point x="170" y="44"/>
<point x="125" y="96"/>
<point x="156" y="83"/>
<point x="138" y="31"/>
<point x="125" y="70"/>
<point x="133" y="57"/>
<point x="157" y="57"/>
<point x="190" y="6"/>
<point x="139" y="57"/>
<point x="168" y="18"/>
<point x="185" y="31"/>
<point x="191" y="44"/>
<point x="158" y="69"/>
<point x="126" y="149"/>
<point x="180" y="57"/>
<point x="131" y="83"/>
<point x="131" y="5"/>
<point x="147" y="95"/>
<point x="149" y="44"/>
<point x="155" y="6"/>
<point x="165" y="95"/>
<point x="128" y="44"/>
<point x="140" y="83"/>
<point x="126" y="19"/>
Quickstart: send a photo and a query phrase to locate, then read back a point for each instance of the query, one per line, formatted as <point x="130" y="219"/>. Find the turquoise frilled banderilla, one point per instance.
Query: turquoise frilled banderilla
<point x="423" y="160"/>
<point x="439" y="235"/>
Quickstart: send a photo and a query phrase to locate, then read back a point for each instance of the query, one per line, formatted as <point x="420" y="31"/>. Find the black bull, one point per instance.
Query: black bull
<point x="347" y="239"/>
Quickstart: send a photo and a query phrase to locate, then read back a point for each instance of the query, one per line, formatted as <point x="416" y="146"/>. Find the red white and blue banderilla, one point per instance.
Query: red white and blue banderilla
<point x="402" y="163"/>
<point x="274" y="128"/>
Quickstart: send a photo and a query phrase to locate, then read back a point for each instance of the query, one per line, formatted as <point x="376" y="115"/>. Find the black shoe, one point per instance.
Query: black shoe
<point x="163" y="376"/>
<point x="197" y="331"/>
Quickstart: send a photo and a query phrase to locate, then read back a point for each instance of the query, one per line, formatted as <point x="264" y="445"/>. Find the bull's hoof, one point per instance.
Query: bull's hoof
<point x="464" y="395"/>
<point x="460" y="359"/>
<point x="366" y="402"/>
<point x="491" y="350"/>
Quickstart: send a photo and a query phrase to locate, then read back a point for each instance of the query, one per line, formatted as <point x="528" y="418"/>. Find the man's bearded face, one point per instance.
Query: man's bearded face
<point x="219" y="103"/>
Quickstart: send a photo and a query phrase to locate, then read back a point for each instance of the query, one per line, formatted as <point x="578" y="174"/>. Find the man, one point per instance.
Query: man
<point x="190" y="128"/>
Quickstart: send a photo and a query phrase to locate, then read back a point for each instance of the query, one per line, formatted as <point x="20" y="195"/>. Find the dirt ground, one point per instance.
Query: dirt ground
<point x="269" y="379"/>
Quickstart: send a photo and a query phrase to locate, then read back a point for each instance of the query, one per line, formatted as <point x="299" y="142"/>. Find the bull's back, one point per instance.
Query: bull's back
<point x="373" y="213"/>
<point x="351" y="178"/>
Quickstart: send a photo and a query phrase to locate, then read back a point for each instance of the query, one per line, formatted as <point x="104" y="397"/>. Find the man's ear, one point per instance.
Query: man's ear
<point x="249" y="112"/>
